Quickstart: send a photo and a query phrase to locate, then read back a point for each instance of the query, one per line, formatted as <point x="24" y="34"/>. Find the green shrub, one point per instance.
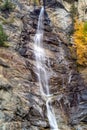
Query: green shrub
<point x="7" y="6"/>
<point x="73" y="11"/>
<point x="3" y="36"/>
<point x="85" y="28"/>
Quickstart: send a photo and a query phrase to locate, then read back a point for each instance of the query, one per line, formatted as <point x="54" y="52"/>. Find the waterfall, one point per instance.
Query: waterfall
<point x="42" y="72"/>
<point x="40" y="55"/>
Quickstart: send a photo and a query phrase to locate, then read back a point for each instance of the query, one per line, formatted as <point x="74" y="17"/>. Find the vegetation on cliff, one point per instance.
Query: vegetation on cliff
<point x="35" y="2"/>
<point x="3" y="36"/>
<point x="80" y="39"/>
<point x="7" y="5"/>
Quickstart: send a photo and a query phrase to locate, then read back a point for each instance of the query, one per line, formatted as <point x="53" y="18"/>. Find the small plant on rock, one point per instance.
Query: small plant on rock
<point x="7" y="6"/>
<point x="3" y="36"/>
<point x="73" y="11"/>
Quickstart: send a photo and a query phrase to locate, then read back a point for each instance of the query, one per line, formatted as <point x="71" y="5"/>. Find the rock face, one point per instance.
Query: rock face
<point x="82" y="10"/>
<point x="81" y="6"/>
<point x="59" y="16"/>
<point x="22" y="106"/>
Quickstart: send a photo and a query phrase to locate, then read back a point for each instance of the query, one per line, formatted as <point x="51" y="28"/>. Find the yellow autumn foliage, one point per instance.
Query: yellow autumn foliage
<point x="80" y="40"/>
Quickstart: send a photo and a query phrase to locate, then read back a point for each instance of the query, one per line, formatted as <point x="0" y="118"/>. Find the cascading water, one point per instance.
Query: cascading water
<point x="41" y="70"/>
<point x="40" y="55"/>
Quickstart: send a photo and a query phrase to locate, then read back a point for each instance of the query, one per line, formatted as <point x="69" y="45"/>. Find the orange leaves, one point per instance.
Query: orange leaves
<point x="80" y="40"/>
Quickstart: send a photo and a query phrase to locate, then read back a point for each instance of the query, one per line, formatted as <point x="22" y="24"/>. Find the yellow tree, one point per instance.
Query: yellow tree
<point x="80" y="40"/>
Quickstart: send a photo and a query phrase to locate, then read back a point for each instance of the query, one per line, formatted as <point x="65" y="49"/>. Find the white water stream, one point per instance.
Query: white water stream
<point x="41" y="70"/>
